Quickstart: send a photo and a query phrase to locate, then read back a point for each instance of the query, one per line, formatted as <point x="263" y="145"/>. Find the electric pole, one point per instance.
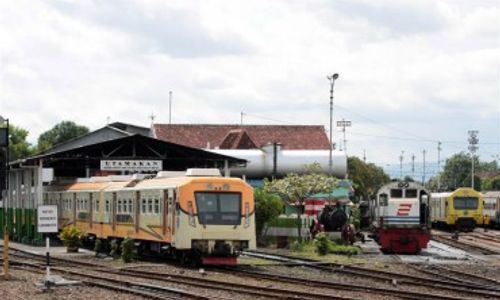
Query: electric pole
<point x="169" y="107"/>
<point x="364" y="155"/>
<point x="344" y="124"/>
<point x="439" y="166"/>
<point x="423" y="175"/>
<point x="401" y="165"/>
<point x="413" y="166"/>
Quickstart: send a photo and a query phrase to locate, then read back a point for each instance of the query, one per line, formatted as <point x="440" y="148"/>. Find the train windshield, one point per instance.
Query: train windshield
<point x="219" y="208"/>
<point x="465" y="203"/>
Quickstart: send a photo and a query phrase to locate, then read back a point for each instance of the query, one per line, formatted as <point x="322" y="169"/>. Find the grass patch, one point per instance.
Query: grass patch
<point x="322" y="247"/>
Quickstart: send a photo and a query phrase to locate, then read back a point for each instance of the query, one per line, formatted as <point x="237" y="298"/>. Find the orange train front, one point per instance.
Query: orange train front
<point x="193" y="217"/>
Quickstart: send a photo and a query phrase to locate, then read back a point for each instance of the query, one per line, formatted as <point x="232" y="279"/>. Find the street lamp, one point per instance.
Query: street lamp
<point x="332" y="79"/>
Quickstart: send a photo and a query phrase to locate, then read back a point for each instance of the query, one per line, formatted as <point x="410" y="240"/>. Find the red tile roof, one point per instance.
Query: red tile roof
<point x="299" y="137"/>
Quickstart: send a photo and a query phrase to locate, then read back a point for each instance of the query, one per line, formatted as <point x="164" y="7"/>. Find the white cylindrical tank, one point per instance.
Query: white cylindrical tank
<point x="261" y="162"/>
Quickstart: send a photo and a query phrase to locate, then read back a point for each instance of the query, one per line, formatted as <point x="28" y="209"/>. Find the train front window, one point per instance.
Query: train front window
<point x="396" y="193"/>
<point x="219" y="208"/>
<point x="411" y="193"/>
<point x="465" y="203"/>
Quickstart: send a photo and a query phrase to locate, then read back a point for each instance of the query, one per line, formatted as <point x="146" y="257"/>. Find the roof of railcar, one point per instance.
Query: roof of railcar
<point x="459" y="190"/>
<point x="88" y="186"/>
<point x="396" y="184"/>
<point x="131" y="185"/>
<point x="492" y="194"/>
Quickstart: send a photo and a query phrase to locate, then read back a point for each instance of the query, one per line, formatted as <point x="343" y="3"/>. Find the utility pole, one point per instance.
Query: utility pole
<point x="423" y="176"/>
<point x="332" y="79"/>
<point x="344" y="124"/>
<point x="473" y="140"/>
<point x="401" y="165"/>
<point x="364" y="155"/>
<point x="152" y="117"/>
<point x="169" y="107"/>
<point x="413" y="166"/>
<point x="439" y="166"/>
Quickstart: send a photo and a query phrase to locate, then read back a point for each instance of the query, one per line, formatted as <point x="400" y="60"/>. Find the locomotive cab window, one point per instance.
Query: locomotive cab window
<point x="411" y="193"/>
<point x="219" y="208"/>
<point x="396" y="193"/>
<point x="465" y="203"/>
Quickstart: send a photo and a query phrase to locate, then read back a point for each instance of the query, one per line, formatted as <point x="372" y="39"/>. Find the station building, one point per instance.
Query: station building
<point x="116" y="149"/>
<point x="253" y="152"/>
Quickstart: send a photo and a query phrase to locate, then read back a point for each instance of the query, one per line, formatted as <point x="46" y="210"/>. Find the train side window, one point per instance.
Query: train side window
<point x="96" y="206"/>
<point x="107" y="206"/>
<point x="119" y="206"/>
<point x="150" y="205"/>
<point x="143" y="206"/>
<point x="157" y="206"/>
<point x="383" y="199"/>
<point x="130" y="206"/>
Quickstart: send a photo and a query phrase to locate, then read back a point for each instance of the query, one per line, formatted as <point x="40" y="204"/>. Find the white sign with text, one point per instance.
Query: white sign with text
<point x="131" y="165"/>
<point x="47" y="218"/>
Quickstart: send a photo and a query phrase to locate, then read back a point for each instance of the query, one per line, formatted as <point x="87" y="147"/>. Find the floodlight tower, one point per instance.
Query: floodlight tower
<point x="473" y="140"/>
<point x="332" y="79"/>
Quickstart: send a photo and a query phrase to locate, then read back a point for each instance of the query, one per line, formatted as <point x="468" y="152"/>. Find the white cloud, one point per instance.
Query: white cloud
<point x="431" y="67"/>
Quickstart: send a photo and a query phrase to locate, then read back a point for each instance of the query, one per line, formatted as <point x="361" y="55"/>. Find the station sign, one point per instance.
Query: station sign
<point x="343" y="123"/>
<point x="131" y="165"/>
<point x="47" y="218"/>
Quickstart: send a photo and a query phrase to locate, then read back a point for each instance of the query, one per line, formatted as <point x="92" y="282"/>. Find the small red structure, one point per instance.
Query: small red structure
<point x="403" y="240"/>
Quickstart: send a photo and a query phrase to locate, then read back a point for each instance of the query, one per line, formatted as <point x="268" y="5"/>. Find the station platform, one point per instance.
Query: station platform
<point x="369" y="247"/>
<point x="54" y="251"/>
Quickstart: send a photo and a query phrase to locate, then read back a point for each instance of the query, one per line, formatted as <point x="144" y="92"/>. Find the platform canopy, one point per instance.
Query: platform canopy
<point x="80" y="161"/>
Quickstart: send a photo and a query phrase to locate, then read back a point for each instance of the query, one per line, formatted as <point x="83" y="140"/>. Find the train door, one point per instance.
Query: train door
<point x="424" y="208"/>
<point x="173" y="212"/>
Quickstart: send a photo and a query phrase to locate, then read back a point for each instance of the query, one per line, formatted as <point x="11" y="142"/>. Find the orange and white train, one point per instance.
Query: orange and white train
<point x="198" y="216"/>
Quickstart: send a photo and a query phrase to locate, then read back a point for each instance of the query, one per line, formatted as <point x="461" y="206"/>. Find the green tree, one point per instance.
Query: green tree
<point x="267" y="208"/>
<point x="295" y="188"/>
<point x="366" y="178"/>
<point x="18" y="146"/>
<point x="457" y="171"/>
<point x="492" y="184"/>
<point x="62" y="132"/>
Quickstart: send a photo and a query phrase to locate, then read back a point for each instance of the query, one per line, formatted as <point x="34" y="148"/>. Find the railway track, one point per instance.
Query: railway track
<point x="460" y="244"/>
<point x="148" y="291"/>
<point x="391" y="277"/>
<point x="461" y="276"/>
<point x="190" y="281"/>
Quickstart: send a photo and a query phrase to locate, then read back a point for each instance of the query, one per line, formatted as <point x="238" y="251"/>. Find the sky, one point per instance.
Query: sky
<point x="411" y="73"/>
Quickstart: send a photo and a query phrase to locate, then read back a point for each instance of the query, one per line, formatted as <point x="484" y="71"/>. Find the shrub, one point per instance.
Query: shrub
<point x="345" y="250"/>
<point x="115" y="248"/>
<point x="323" y="244"/>
<point x="97" y="246"/>
<point x="72" y="237"/>
<point x="127" y="250"/>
